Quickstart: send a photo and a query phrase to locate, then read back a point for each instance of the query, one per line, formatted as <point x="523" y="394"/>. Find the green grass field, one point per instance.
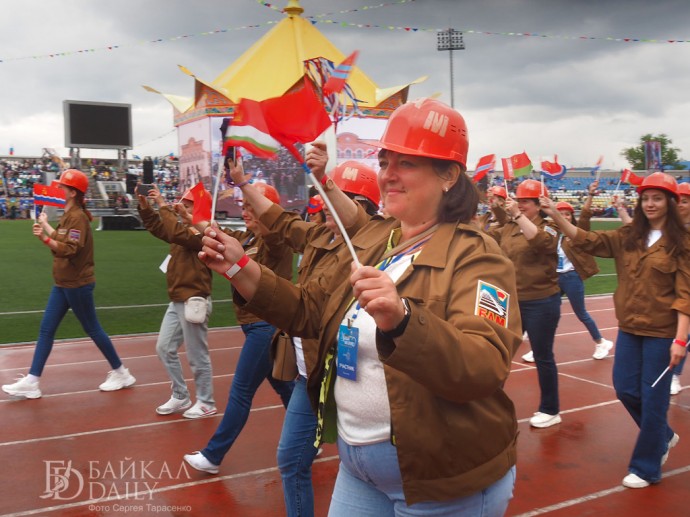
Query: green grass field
<point x="130" y="291"/>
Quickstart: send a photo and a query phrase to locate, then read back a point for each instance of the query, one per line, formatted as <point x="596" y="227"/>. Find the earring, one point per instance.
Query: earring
<point x="445" y="189"/>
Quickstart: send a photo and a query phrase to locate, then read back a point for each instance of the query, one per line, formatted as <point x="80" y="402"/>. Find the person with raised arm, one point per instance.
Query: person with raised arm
<point x="652" y="302"/>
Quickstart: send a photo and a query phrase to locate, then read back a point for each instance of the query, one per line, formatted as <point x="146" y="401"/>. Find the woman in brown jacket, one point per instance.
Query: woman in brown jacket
<point x="424" y="333"/>
<point x="71" y="244"/>
<point x="652" y="304"/>
<point x="576" y="266"/>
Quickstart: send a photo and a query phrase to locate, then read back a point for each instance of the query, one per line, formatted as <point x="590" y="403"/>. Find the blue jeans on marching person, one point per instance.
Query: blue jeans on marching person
<point x="253" y="367"/>
<point x="296" y="452"/>
<point x="369" y="484"/>
<point x="540" y="320"/>
<point x="638" y="362"/>
<point x="80" y="300"/>
<point x="574" y="288"/>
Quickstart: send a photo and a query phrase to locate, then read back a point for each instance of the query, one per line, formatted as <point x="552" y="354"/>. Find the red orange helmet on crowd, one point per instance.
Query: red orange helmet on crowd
<point x="498" y="192"/>
<point x="426" y="127"/>
<point x="358" y="179"/>
<point x="268" y="191"/>
<point x="660" y="181"/>
<point x="531" y="189"/>
<point x="315" y="205"/>
<point x="564" y="205"/>
<point x="684" y="189"/>
<point x="75" y="179"/>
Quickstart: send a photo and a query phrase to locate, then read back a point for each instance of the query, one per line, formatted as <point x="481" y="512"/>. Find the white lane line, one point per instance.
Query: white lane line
<point x="112" y="307"/>
<point x="124" y="428"/>
<point x="578" y="409"/>
<point x="593" y="496"/>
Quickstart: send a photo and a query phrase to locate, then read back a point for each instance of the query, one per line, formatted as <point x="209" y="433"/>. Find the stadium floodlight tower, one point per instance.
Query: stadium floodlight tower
<point x="450" y="39"/>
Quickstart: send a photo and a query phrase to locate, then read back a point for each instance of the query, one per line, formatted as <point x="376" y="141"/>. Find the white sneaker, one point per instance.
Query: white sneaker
<point x="542" y="420"/>
<point x="23" y="388"/>
<point x="671" y="444"/>
<point x="528" y="357"/>
<point x="602" y="349"/>
<point x="675" y="385"/>
<point x="200" y="410"/>
<point x="199" y="462"/>
<point x="116" y="380"/>
<point x="174" y="406"/>
<point x="634" y="481"/>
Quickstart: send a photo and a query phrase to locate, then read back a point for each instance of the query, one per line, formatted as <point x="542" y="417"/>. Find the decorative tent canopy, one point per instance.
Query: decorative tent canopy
<point x="275" y="64"/>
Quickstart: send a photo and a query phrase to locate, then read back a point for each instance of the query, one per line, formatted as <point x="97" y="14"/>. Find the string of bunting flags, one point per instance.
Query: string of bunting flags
<point x="317" y="19"/>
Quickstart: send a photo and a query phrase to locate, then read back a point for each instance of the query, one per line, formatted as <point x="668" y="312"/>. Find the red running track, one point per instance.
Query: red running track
<point x="80" y="452"/>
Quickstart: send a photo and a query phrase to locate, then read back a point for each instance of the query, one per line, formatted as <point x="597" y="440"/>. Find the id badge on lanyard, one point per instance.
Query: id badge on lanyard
<point x="348" y="343"/>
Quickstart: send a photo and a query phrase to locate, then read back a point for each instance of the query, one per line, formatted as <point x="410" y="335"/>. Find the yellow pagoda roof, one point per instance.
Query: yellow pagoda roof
<point x="274" y="64"/>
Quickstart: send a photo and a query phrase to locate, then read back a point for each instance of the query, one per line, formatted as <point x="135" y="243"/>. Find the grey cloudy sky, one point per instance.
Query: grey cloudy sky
<point x="556" y="93"/>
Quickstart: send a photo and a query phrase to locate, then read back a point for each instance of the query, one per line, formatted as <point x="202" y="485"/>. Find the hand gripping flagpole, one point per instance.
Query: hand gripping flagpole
<point x="331" y="208"/>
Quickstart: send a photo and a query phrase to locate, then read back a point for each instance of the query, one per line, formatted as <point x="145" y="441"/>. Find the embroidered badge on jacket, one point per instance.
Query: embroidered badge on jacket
<point x="492" y="303"/>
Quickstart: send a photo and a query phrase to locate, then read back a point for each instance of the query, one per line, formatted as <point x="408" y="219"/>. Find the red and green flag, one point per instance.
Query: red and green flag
<point x="516" y="166"/>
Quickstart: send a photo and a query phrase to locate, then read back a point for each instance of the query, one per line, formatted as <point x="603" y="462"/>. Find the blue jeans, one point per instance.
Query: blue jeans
<point x="369" y="484"/>
<point x="574" y="288"/>
<point x="296" y="452"/>
<point x="540" y="320"/>
<point x="253" y="366"/>
<point x="80" y="300"/>
<point x="638" y="362"/>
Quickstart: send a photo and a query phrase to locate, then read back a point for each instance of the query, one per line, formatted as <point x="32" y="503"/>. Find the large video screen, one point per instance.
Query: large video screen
<point x="98" y="125"/>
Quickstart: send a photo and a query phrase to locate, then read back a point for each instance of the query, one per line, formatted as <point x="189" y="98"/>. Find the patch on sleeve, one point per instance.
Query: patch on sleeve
<point x="550" y="231"/>
<point x="492" y="303"/>
<point x="62" y="231"/>
<point x="252" y="251"/>
<point x="74" y="235"/>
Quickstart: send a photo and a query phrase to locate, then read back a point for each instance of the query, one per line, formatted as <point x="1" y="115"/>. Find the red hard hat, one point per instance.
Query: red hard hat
<point x="426" y="127"/>
<point x="358" y="179"/>
<point x="315" y="205"/>
<point x="661" y="181"/>
<point x="75" y="179"/>
<point x="498" y="191"/>
<point x="684" y="189"/>
<point x="564" y="205"/>
<point x="269" y="192"/>
<point x="531" y="189"/>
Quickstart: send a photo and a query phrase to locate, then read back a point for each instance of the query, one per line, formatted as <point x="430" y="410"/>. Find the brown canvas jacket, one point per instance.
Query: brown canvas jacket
<point x="652" y="284"/>
<point x="455" y="428"/>
<point x="535" y="260"/>
<point x="73" y="264"/>
<point x="186" y="276"/>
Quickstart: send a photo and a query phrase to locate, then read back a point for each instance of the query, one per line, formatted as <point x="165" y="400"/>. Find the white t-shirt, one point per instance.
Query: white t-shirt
<point x="363" y="409"/>
<point x="654" y="235"/>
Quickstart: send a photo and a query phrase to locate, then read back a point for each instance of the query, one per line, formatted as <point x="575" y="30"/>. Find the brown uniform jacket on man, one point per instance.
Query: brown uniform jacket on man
<point x="583" y="262"/>
<point x="186" y="276"/>
<point x="73" y="264"/>
<point x="535" y="259"/>
<point x="652" y="284"/>
<point x="454" y="426"/>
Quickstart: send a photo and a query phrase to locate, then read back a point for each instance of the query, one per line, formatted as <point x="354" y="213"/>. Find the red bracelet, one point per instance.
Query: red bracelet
<point x="46" y="241"/>
<point x="684" y="344"/>
<point x="324" y="179"/>
<point x="237" y="267"/>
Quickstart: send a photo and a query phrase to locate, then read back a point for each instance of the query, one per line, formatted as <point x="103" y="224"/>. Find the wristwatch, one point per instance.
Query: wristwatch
<point x="400" y="329"/>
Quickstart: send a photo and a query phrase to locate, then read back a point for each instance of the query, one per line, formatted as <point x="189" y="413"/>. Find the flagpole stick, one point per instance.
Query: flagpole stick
<point x="660" y="376"/>
<point x="542" y="184"/>
<point x="617" y="186"/>
<point x="214" y="198"/>
<point x="336" y="217"/>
